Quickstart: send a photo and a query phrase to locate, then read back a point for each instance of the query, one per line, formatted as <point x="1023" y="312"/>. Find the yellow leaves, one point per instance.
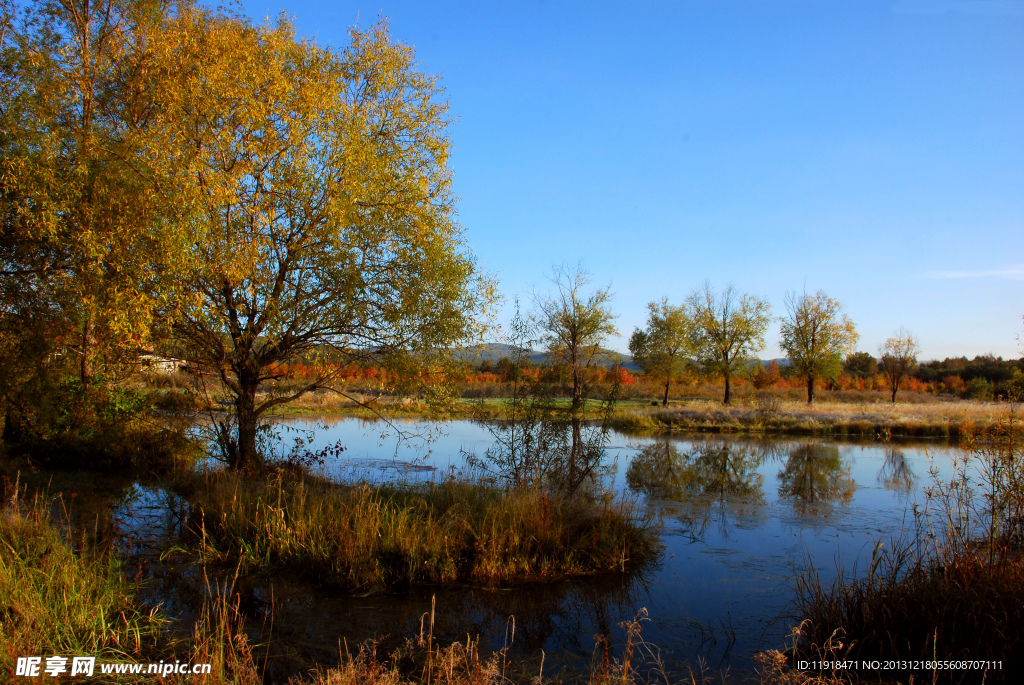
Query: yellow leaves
<point x="313" y="183"/>
<point x="73" y="162"/>
<point x="816" y="334"/>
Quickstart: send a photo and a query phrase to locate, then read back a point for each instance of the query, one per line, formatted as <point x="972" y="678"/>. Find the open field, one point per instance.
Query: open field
<point x="839" y="416"/>
<point x="697" y="408"/>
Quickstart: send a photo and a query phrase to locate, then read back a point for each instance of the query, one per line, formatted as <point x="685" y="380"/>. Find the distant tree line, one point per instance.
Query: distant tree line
<point x="717" y="334"/>
<point x="984" y="377"/>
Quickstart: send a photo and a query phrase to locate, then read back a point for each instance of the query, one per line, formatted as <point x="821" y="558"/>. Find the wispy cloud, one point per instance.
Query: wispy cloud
<point x="988" y="8"/>
<point x="1014" y="273"/>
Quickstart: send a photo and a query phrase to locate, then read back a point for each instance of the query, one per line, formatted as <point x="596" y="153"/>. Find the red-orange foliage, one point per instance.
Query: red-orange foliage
<point x="621" y="375"/>
<point x="486" y="377"/>
<point x="766" y="376"/>
<point x="953" y="385"/>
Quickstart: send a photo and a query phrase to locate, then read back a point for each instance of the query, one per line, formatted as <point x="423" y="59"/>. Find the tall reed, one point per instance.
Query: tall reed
<point x="219" y="639"/>
<point x="422" y="661"/>
<point x="950" y="588"/>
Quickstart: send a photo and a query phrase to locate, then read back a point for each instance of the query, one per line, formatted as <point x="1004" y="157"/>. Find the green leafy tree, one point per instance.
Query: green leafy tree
<point x="1012" y="389"/>
<point x="860" y="364"/>
<point x="574" y="324"/>
<point x="729" y="329"/>
<point x="978" y="389"/>
<point x="816" y="336"/>
<point x="663" y="349"/>
<point x="898" y="358"/>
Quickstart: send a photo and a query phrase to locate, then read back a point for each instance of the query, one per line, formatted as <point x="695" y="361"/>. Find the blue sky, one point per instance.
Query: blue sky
<point x="874" y="150"/>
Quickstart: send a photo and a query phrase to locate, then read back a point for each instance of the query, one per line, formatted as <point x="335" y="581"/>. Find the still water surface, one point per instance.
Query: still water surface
<point x="738" y="518"/>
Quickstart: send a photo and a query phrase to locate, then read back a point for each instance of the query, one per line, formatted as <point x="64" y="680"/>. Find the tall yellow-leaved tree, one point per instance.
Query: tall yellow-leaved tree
<point x="85" y="218"/>
<point x="88" y="247"/>
<point x="317" y="185"/>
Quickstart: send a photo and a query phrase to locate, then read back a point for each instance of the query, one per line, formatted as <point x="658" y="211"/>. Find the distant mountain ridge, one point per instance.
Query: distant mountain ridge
<point x="477" y="354"/>
<point x="492" y="352"/>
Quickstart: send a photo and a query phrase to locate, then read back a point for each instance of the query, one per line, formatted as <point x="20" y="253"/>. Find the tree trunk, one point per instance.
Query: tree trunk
<point x="248" y="421"/>
<point x="85" y="372"/>
<point x="577" y="388"/>
<point x="895" y="387"/>
<point x="664" y="402"/>
<point x="810" y="390"/>
<point x="574" y="456"/>
<point x="14" y="427"/>
<point x="727" y="390"/>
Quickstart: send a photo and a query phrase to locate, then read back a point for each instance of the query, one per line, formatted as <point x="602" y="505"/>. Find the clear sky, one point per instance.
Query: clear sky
<point x="874" y="150"/>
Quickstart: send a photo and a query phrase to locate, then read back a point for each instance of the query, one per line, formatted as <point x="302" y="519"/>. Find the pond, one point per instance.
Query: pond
<point x="738" y="518"/>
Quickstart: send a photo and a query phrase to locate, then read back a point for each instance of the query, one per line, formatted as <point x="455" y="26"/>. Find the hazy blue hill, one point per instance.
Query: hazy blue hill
<point x="489" y="352"/>
<point x="492" y="352"/>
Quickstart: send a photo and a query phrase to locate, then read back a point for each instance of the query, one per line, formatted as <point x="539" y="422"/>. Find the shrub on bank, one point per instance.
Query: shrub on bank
<point x="96" y="427"/>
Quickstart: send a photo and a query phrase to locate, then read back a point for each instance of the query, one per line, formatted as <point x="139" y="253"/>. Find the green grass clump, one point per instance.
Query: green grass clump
<point x="634" y="421"/>
<point x="56" y="600"/>
<point x="362" y="537"/>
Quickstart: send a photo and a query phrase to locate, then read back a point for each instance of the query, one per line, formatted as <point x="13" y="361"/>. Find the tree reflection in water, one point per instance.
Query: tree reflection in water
<point x="536" y="451"/>
<point x="895" y="473"/>
<point x="816" y="474"/>
<point x="710" y="482"/>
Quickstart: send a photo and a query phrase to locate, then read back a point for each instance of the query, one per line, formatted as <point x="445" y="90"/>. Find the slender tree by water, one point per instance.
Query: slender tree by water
<point x="664" y="348"/>
<point x="573" y="324"/>
<point x="729" y="328"/>
<point x="816" y="336"/>
<point x="897" y="358"/>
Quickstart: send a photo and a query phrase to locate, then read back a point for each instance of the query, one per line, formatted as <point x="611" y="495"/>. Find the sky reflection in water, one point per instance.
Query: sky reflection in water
<point x="739" y="516"/>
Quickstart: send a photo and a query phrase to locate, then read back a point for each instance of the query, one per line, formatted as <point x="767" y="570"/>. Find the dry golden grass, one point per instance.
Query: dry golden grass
<point x="843" y="413"/>
<point x="948" y="419"/>
<point x="56" y="598"/>
<point x="361" y="537"/>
